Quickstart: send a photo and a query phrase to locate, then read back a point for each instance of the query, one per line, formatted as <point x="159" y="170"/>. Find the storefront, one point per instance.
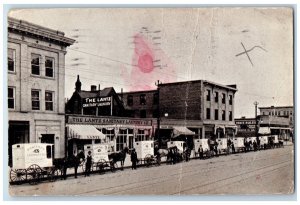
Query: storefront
<point x="117" y="132"/>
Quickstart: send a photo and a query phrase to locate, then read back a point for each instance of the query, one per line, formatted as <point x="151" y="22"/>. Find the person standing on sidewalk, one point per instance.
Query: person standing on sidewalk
<point x="200" y="150"/>
<point x="88" y="164"/>
<point x="133" y="159"/>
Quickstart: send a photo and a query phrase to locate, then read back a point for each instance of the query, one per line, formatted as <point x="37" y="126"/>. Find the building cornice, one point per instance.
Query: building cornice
<point x="30" y="29"/>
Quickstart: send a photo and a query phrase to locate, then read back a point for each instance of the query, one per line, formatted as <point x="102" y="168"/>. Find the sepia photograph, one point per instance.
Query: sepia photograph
<point x="150" y="101"/>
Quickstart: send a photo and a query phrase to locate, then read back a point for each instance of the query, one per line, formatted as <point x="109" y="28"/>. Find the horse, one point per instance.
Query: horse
<point x="119" y="156"/>
<point x="69" y="162"/>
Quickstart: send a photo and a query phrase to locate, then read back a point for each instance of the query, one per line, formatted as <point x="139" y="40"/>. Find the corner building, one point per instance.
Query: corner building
<point x="36" y="84"/>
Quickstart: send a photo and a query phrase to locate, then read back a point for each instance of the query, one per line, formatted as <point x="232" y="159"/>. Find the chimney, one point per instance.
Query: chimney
<point x="93" y="88"/>
<point x="121" y="94"/>
<point x="99" y="89"/>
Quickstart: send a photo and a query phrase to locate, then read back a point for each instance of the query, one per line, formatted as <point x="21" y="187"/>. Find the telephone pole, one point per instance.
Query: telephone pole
<point x="256" y="122"/>
<point x="158" y="115"/>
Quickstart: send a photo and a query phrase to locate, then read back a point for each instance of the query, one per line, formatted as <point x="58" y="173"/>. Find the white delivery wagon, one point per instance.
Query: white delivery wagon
<point x="222" y="145"/>
<point x="238" y="143"/>
<point x="179" y="144"/>
<point x="99" y="154"/>
<point x="145" y="152"/>
<point x="205" y="146"/>
<point x="264" y="141"/>
<point x="32" y="161"/>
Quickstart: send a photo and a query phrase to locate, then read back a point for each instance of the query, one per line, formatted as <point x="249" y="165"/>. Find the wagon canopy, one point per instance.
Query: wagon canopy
<point x="181" y="131"/>
<point x="84" y="132"/>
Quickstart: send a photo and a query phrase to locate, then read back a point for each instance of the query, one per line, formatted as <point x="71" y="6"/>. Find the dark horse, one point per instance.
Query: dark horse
<point x="69" y="162"/>
<point x="119" y="156"/>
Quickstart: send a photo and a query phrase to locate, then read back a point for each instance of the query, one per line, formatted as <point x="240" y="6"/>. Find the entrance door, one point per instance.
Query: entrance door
<point x="130" y="143"/>
<point x="18" y="132"/>
<point x="47" y="138"/>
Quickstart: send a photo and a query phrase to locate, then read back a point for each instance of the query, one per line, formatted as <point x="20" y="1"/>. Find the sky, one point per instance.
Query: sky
<point x="132" y="48"/>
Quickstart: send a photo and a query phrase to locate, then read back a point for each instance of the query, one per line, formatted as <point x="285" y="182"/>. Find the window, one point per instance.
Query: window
<point x="223" y="115"/>
<point x="143" y="99"/>
<point x="129" y="100"/>
<point x="291" y="112"/>
<point x="230" y="99"/>
<point x="49" y="100"/>
<point x="230" y="115"/>
<point x="216" y="96"/>
<point x="49" y="63"/>
<point x="216" y="114"/>
<point x="142" y="135"/>
<point x="143" y="114"/>
<point x="208" y="113"/>
<point x="155" y="98"/>
<point x="35" y="64"/>
<point x="11" y="98"/>
<point x="121" y="139"/>
<point x="223" y="98"/>
<point x="263" y="113"/>
<point x="208" y="95"/>
<point x="35" y="99"/>
<point x="11" y="59"/>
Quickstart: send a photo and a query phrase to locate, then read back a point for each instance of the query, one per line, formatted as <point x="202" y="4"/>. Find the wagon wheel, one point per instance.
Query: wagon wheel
<point x="148" y="160"/>
<point x="53" y="174"/>
<point x="101" y="166"/>
<point x="17" y="175"/>
<point x="34" y="173"/>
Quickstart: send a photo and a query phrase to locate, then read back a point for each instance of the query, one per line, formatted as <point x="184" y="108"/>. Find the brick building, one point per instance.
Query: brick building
<point x="280" y="111"/>
<point x="36" y="81"/>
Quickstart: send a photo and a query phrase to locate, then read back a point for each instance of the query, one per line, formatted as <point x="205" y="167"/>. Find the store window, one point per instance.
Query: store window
<point x="142" y="135"/>
<point x="35" y="64"/>
<point x="11" y="60"/>
<point x="121" y="140"/>
<point x="143" y="99"/>
<point x="155" y="98"/>
<point x="35" y="99"/>
<point x="11" y="98"/>
<point x="49" y="100"/>
<point x="49" y="65"/>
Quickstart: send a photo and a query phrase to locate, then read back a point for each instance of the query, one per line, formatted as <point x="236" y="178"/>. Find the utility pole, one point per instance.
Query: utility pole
<point x="256" y="122"/>
<point x="158" y="115"/>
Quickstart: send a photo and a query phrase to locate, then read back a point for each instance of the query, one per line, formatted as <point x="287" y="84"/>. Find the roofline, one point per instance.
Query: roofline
<point x="27" y="27"/>
<point x="141" y="91"/>
<point x="204" y="81"/>
<point x="274" y="107"/>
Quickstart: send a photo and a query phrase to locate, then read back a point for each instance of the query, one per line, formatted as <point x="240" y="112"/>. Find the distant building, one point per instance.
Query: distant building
<point x="245" y="127"/>
<point x="204" y="107"/>
<point x="36" y="85"/>
<point x="281" y="111"/>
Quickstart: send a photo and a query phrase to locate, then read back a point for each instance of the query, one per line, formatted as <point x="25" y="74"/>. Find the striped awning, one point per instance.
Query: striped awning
<point x="181" y="131"/>
<point x="84" y="132"/>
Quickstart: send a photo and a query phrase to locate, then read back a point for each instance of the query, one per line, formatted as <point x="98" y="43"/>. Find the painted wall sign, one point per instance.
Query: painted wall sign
<point x="96" y="102"/>
<point x="107" y="121"/>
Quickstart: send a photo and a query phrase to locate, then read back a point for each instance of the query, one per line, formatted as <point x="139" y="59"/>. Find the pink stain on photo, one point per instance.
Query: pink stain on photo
<point x="145" y="73"/>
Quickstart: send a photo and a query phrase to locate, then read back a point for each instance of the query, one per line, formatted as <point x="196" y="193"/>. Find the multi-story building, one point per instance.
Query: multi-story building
<point x="205" y="107"/>
<point x="36" y="84"/>
<point x="281" y="111"/>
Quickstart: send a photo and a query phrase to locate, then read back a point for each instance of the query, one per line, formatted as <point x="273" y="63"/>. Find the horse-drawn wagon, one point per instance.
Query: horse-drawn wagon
<point x="238" y="144"/>
<point x="205" y="147"/>
<point x="145" y="152"/>
<point x="176" y="150"/>
<point x="222" y="146"/>
<point x="33" y="162"/>
<point x="99" y="154"/>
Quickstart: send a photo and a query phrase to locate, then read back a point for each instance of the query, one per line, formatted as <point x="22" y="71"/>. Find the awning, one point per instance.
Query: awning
<point x="264" y="130"/>
<point x="219" y="127"/>
<point x="181" y="131"/>
<point x="84" y="132"/>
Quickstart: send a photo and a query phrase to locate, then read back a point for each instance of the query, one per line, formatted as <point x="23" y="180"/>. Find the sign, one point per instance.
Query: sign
<point x="96" y="102"/>
<point x="107" y="121"/>
<point x="245" y="125"/>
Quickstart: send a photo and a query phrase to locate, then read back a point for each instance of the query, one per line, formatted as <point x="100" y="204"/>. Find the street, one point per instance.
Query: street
<point x="263" y="172"/>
